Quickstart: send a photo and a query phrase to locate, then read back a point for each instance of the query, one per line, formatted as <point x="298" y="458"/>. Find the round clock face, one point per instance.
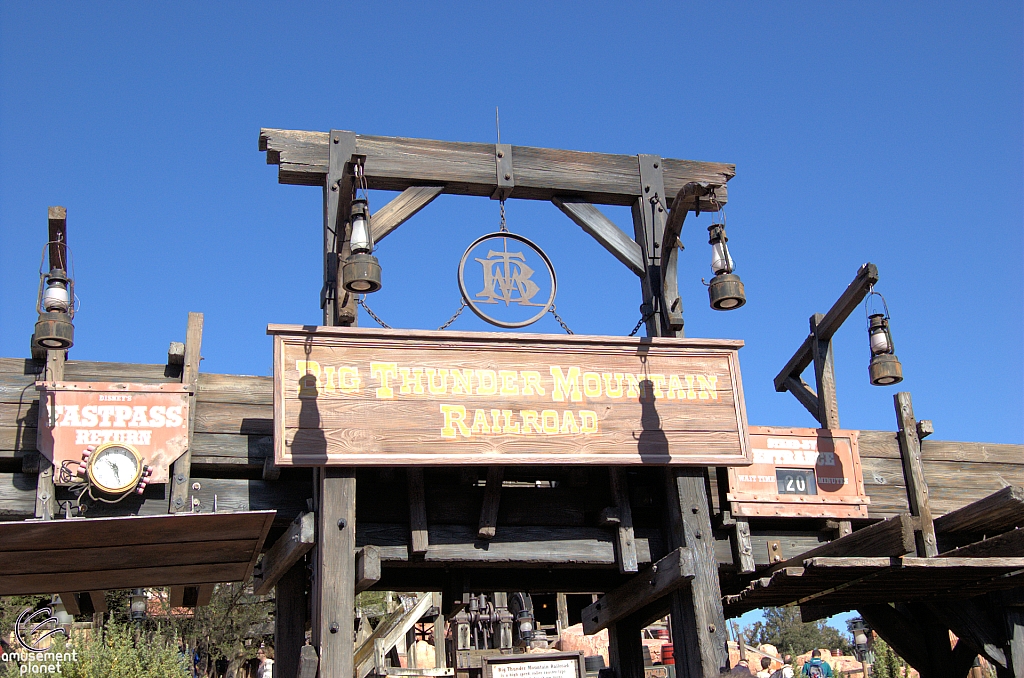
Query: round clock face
<point x="115" y="468"/>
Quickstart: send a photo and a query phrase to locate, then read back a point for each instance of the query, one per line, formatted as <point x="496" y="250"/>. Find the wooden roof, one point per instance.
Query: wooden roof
<point x="128" y="552"/>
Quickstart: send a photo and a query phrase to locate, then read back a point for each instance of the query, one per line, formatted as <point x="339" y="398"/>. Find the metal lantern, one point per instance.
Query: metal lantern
<point x="361" y="272"/>
<point x="725" y="290"/>
<point x="884" y="368"/>
<point x="138" y="605"/>
<point x="526" y="625"/>
<point x="55" y="304"/>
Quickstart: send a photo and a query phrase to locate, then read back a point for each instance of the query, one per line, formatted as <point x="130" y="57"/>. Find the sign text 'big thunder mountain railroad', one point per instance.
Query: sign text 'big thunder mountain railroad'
<point x="360" y="396"/>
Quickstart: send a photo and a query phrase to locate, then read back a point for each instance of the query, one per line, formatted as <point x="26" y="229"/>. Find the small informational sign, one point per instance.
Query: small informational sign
<point x="800" y="472"/>
<point x="546" y="665"/>
<point x="366" y="396"/>
<point x="152" y="418"/>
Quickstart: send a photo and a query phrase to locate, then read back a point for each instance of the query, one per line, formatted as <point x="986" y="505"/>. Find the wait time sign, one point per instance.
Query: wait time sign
<point x="360" y="396"/>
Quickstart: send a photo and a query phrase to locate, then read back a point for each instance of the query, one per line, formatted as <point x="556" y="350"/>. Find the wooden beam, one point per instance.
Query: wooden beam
<point x="395" y="164"/>
<point x="1014" y="618"/>
<point x="665" y="576"/>
<point x="181" y="471"/>
<point x="604" y="231"/>
<point x="401" y="209"/>
<point x="337" y="184"/>
<point x="204" y="594"/>
<point x="1000" y="511"/>
<point x="290" y="604"/>
<point x="796" y="365"/>
<point x="367" y="567"/>
<point x="969" y="621"/>
<point x="625" y="541"/>
<point x="824" y="375"/>
<point x="286" y="551"/>
<point x="913" y="474"/>
<point x="849" y="300"/>
<point x="176" y="596"/>
<point x="901" y="631"/>
<point x="334" y="563"/>
<point x="689" y="197"/>
<point x="804" y="395"/>
<point x="99" y="601"/>
<point x="388" y="632"/>
<point x="418" y="535"/>
<point x="742" y="549"/>
<point x="489" y="508"/>
<point x="625" y="649"/>
<point x="70" y="602"/>
<point x="1007" y="544"/>
<point x="886" y="539"/>
<point x="308" y="662"/>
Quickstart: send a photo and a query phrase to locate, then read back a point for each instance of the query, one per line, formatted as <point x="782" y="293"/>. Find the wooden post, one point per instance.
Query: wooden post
<point x="1015" y="633"/>
<point x="625" y="541"/>
<point x="290" y="619"/>
<point x="335" y="569"/>
<point x="338" y="307"/>
<point x="625" y="649"/>
<point x="825" y="384"/>
<point x="698" y="622"/>
<point x="913" y="474"/>
<point x="181" y="472"/>
<point x="562" y="606"/>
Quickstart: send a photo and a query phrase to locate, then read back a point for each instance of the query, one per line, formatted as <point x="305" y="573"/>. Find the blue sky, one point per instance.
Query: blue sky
<point x="883" y="132"/>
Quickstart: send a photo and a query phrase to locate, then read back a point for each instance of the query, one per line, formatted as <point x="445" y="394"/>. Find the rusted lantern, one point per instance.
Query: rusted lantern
<point x="725" y="289"/>
<point x="884" y="368"/>
<point x="55" y="304"/>
<point x="361" y="271"/>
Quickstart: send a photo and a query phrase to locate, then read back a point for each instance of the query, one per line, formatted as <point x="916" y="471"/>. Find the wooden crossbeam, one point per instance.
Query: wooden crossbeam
<point x="367" y="567"/>
<point x="969" y="621"/>
<point x="625" y="540"/>
<point x="889" y="538"/>
<point x="603" y="230"/>
<point x="419" y="540"/>
<point x="913" y="474"/>
<point x="99" y="601"/>
<point x="389" y="631"/>
<point x="998" y="512"/>
<point x="286" y="551"/>
<point x="181" y="472"/>
<point x="401" y="209"/>
<point x="1007" y="544"/>
<point x="70" y="602"/>
<point x="395" y="164"/>
<point x="803" y="393"/>
<point x="663" y="577"/>
<point x="204" y="594"/>
<point x="176" y="596"/>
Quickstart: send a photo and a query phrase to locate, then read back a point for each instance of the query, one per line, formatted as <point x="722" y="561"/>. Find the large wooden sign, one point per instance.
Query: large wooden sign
<point x="800" y="472"/>
<point x="351" y="396"/>
<point x="152" y="418"/>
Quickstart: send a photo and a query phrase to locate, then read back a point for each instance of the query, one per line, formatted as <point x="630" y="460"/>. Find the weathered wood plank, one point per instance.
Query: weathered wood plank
<point x="138" y="577"/>
<point x="395" y="163"/>
<point x="367" y="567"/>
<point x="492" y="499"/>
<point x="913" y="473"/>
<point x="70" y="602"/>
<point x="998" y="512"/>
<point x="104" y="558"/>
<point x="181" y="470"/>
<point x="1007" y="544"/>
<point x="625" y="542"/>
<point x="401" y="209"/>
<point x="334" y="583"/>
<point x="290" y="606"/>
<point x="605" y="231"/>
<point x="663" y="577"/>
<point x="286" y="551"/>
<point x="889" y="538"/>
<point x="418" y="534"/>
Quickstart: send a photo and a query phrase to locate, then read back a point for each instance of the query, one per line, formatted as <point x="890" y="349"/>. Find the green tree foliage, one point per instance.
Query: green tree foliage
<point x="783" y="628"/>
<point x="887" y="663"/>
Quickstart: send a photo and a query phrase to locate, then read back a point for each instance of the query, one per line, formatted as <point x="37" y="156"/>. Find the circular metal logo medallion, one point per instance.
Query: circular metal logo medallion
<point x="505" y="273"/>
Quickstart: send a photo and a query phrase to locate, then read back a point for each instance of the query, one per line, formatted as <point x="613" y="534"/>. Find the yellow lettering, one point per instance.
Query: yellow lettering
<point x="609" y="391"/>
<point x="412" y="380"/>
<point x="531" y="383"/>
<point x="437" y="389"/>
<point x="690" y="394"/>
<point x="588" y="421"/>
<point x="530" y="420"/>
<point x="486" y="382"/>
<point x="509" y="387"/>
<point x="509" y="427"/>
<point x="480" y="424"/>
<point x="659" y="382"/>
<point x="348" y="379"/>
<point x="566" y="384"/>
<point x="549" y="421"/>
<point x="708" y="387"/>
<point x="385" y="372"/>
<point x="632" y="385"/>
<point x="675" y="388"/>
<point x="569" y="424"/>
<point x="329" y="371"/>
<point x="454" y="415"/>
<point x="495" y="424"/>
<point x="592" y="384"/>
<point x="461" y="382"/>
<point x="309" y="378"/>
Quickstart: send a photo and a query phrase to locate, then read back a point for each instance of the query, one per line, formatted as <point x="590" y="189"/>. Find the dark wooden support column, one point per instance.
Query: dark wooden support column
<point x="339" y="307"/>
<point x="1014" y="617"/>
<point x="625" y="649"/>
<point x="492" y="498"/>
<point x="181" y="472"/>
<point x="290" y="618"/>
<point x="649" y="214"/>
<point x="915" y="634"/>
<point x="419" y="539"/>
<point x="625" y="540"/>
<point x="335" y="570"/>
<point x="913" y="473"/>
<point x="698" y="622"/>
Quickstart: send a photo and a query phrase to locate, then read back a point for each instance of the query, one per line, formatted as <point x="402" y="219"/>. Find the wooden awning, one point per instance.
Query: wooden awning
<point x="834" y="581"/>
<point x="86" y="554"/>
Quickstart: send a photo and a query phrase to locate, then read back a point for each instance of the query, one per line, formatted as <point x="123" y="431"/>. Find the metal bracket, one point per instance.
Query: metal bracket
<point x="506" y="179"/>
<point x="337" y="203"/>
<point x="775" y="551"/>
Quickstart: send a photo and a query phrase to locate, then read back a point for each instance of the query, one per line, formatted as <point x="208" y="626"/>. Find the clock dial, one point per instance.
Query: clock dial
<point x="115" y="468"/>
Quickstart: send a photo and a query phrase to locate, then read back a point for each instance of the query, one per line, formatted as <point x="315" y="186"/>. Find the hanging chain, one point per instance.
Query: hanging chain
<point x="503" y="228"/>
<point x="561" y="322"/>
<point x="643" y="319"/>
<point x="452" y="319"/>
<point x="373" y="315"/>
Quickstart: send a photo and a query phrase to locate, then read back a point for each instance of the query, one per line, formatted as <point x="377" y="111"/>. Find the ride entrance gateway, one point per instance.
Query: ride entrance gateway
<point x="506" y="485"/>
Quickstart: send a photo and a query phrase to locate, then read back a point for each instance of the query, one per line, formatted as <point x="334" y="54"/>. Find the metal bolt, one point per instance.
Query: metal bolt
<point x="179" y="502"/>
<point x="694" y="509"/>
<point x="180" y="477"/>
<point x="501" y="154"/>
<point x="334" y="187"/>
<point x="196" y="486"/>
<point x="712" y="628"/>
<point x="341" y="523"/>
<point x="507" y="175"/>
<point x="698" y="535"/>
<point x="655" y="165"/>
<point x="334" y="627"/>
<point x="647" y="189"/>
<point x="335" y="139"/>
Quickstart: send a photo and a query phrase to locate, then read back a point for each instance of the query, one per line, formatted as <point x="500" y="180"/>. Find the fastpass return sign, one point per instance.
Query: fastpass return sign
<point x="351" y="396"/>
